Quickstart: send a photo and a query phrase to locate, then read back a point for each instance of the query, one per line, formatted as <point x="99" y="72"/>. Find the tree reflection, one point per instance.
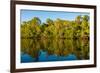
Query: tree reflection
<point x="58" y="47"/>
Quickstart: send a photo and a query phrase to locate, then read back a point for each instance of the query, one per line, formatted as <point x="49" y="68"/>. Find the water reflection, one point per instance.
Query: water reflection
<point x="41" y="50"/>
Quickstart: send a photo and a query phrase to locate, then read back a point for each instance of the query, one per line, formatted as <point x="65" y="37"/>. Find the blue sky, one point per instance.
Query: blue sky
<point x="43" y="15"/>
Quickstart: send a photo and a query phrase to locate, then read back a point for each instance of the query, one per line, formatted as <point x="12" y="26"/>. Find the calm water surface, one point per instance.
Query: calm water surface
<point x="44" y="50"/>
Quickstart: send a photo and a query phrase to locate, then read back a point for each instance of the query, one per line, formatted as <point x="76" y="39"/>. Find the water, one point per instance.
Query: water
<point x="27" y="58"/>
<point x="45" y="50"/>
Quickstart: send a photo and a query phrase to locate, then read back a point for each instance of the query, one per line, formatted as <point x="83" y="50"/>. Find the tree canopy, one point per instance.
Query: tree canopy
<point x="59" y="28"/>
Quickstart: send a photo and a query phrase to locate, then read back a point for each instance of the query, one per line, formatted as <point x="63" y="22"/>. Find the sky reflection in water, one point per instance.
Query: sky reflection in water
<point x="53" y="50"/>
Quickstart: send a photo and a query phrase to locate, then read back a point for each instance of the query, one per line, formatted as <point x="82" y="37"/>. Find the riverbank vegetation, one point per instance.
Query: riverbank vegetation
<point x="58" y="28"/>
<point x="56" y="38"/>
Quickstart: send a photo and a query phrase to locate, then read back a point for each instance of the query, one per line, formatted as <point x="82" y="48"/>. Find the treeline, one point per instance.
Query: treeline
<point x="59" y="28"/>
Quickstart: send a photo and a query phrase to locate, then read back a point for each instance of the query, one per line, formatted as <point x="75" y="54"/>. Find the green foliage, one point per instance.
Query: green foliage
<point x="59" y="28"/>
<point x="59" y="37"/>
